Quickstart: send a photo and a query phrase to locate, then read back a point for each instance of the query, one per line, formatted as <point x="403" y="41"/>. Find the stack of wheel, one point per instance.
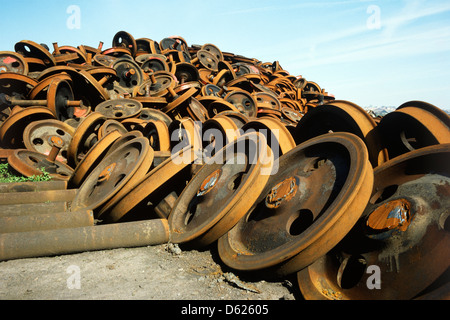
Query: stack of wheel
<point x="232" y="152"/>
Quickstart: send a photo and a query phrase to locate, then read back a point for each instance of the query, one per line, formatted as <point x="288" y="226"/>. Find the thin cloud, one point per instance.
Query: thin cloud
<point x="411" y="12"/>
<point x="426" y="42"/>
<point x="278" y="7"/>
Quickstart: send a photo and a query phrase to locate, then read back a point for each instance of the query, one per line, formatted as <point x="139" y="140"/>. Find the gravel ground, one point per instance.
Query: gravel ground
<point x="161" y="272"/>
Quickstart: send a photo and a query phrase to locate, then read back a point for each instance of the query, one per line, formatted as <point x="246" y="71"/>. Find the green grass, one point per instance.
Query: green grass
<point x="8" y="176"/>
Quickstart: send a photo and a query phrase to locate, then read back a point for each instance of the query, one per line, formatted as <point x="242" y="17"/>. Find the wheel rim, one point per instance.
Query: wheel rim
<point x="403" y="231"/>
<point x="272" y="234"/>
<point x="231" y="184"/>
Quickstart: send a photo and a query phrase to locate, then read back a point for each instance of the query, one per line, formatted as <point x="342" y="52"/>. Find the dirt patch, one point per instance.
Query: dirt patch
<point x="162" y="272"/>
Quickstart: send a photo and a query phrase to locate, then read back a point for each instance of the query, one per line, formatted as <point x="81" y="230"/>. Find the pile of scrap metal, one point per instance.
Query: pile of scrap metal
<point x="152" y="142"/>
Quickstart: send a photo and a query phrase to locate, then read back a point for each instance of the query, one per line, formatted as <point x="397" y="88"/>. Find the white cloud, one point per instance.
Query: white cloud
<point x="412" y="11"/>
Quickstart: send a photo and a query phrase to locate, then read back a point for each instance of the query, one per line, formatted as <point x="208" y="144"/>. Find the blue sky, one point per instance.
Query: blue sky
<point x="376" y="52"/>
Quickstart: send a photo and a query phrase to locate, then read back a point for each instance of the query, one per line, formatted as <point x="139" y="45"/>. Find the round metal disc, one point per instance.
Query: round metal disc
<point x="267" y="100"/>
<point x="412" y="126"/>
<point x="298" y="217"/>
<point x="112" y="173"/>
<point x="208" y="60"/>
<point x="37" y="135"/>
<point x="402" y="238"/>
<point x="85" y="136"/>
<point x="11" y="130"/>
<point x="129" y="73"/>
<point x="186" y="72"/>
<point x="140" y="201"/>
<point x="119" y="108"/>
<point x="13" y="62"/>
<point x="153" y="114"/>
<point x="343" y="116"/>
<point x="93" y="158"/>
<point x="219" y="105"/>
<point x="243" y="101"/>
<point x="162" y="81"/>
<point x="58" y="95"/>
<point x="31" y="49"/>
<point x="111" y="125"/>
<point x="123" y="39"/>
<point x="158" y="135"/>
<point x="278" y="136"/>
<point x="231" y="182"/>
<point x="16" y="84"/>
<point x="30" y="163"/>
<point x="214" y="50"/>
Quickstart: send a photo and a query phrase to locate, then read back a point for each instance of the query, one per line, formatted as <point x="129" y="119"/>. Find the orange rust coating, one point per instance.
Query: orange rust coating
<point x="391" y="215"/>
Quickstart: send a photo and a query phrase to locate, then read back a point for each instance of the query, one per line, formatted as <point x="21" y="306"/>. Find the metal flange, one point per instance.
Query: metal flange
<point x="230" y="181"/>
<point x="113" y="173"/>
<point x="319" y="192"/>
<point x="402" y="235"/>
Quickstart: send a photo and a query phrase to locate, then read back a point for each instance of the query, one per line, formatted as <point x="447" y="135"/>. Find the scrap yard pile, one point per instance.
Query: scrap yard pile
<point x="147" y="142"/>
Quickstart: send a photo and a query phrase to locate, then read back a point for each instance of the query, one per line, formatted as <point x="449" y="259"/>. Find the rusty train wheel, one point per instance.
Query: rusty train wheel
<point x="85" y="136"/>
<point x="112" y="174"/>
<point x="154" y="114"/>
<point x="214" y="50"/>
<point x="13" y="62"/>
<point x="343" y="116"/>
<point x="403" y="231"/>
<point x="219" y="105"/>
<point x="141" y="200"/>
<point x="157" y="132"/>
<point x="16" y="84"/>
<point x="243" y="101"/>
<point x="141" y="171"/>
<point x="278" y="136"/>
<point x="12" y="128"/>
<point x="311" y="202"/>
<point x="40" y="90"/>
<point x="111" y="125"/>
<point x="30" y="163"/>
<point x="208" y="60"/>
<point x="59" y="93"/>
<point x="119" y="109"/>
<point x="184" y="133"/>
<point x="217" y="133"/>
<point x="123" y="39"/>
<point x="414" y="125"/>
<point x="123" y="139"/>
<point x="267" y="100"/>
<point x="238" y="118"/>
<point x="230" y="181"/>
<point x="129" y="74"/>
<point x="28" y="48"/>
<point x="37" y="136"/>
<point x="93" y="158"/>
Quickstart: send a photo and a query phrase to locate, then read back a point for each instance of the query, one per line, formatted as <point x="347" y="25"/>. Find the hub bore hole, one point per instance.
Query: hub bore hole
<point x="351" y="271"/>
<point x="301" y="222"/>
<point x="119" y="179"/>
<point x="38" y="142"/>
<point x="191" y="211"/>
<point x="235" y="181"/>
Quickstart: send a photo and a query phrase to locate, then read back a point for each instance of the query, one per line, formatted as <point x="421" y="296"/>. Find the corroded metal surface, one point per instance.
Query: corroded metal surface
<point x="144" y="132"/>
<point x="403" y="231"/>
<point x="295" y="220"/>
